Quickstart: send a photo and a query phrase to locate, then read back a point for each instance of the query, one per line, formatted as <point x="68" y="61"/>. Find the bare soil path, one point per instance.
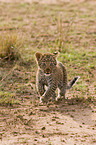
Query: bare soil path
<point x="66" y="122"/>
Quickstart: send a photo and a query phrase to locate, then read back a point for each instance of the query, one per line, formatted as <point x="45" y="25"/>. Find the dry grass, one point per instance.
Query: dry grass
<point x="10" y="44"/>
<point x="67" y="27"/>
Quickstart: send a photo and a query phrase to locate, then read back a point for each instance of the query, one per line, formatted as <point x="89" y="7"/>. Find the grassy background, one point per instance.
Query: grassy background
<point x="26" y="28"/>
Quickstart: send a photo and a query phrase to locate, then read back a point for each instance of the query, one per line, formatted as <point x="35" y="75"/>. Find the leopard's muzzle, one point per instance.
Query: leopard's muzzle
<point x="47" y="71"/>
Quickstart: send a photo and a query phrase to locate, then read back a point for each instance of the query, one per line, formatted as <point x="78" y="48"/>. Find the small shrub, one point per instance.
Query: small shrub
<point x="10" y="44"/>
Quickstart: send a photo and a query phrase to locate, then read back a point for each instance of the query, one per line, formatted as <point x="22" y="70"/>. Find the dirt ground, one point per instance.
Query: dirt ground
<point x="41" y="1"/>
<point x="68" y="122"/>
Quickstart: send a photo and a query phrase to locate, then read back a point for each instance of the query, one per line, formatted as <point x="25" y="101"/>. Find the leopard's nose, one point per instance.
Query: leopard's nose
<point x="48" y="71"/>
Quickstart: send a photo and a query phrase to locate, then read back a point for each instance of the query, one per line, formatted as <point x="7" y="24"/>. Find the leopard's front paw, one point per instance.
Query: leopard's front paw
<point x="42" y="99"/>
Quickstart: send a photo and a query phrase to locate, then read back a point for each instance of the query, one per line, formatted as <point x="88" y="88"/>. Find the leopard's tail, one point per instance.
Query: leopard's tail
<point x="72" y="83"/>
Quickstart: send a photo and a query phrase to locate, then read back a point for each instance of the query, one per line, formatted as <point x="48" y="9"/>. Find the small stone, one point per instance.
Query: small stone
<point x="43" y="128"/>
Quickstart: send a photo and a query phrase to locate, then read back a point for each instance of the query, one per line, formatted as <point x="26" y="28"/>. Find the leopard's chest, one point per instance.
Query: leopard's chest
<point x="52" y="79"/>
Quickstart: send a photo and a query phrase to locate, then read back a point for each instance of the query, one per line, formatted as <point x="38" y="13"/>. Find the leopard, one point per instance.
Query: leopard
<point x="51" y="75"/>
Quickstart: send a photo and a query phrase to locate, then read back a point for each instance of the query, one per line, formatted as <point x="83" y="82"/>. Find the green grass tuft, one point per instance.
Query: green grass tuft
<point x="8" y="98"/>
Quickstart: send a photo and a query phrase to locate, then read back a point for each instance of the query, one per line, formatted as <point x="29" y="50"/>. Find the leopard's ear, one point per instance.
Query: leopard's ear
<point x="56" y="54"/>
<point x="38" y="55"/>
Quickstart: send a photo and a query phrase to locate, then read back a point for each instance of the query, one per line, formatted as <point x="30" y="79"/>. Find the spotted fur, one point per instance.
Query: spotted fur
<point x="51" y="73"/>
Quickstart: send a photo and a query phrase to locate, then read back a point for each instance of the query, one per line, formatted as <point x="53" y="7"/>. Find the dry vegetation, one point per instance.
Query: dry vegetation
<point x="10" y="44"/>
<point x="27" y="27"/>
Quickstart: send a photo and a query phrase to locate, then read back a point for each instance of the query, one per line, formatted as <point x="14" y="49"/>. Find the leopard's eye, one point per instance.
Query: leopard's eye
<point x="43" y="63"/>
<point x="51" y="64"/>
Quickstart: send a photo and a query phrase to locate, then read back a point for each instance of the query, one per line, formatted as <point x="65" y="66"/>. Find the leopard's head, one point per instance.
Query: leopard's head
<point x="47" y="61"/>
